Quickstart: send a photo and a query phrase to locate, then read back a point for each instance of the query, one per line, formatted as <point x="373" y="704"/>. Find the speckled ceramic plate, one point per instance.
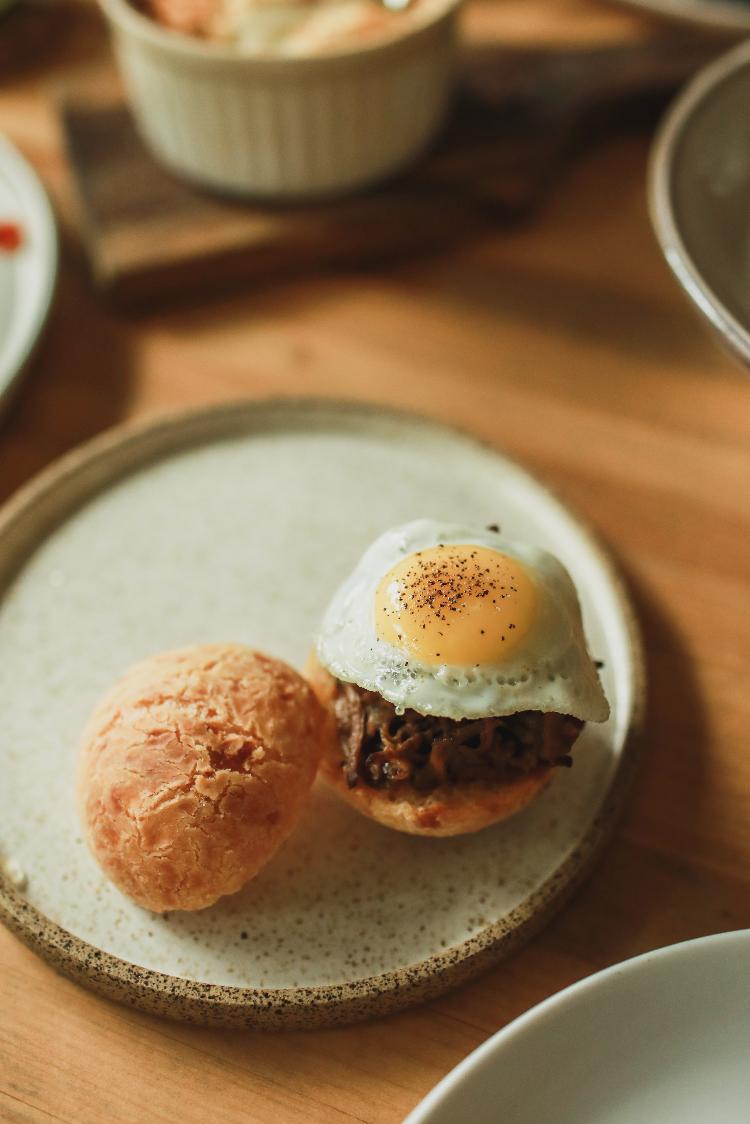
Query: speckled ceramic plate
<point x="237" y="523"/>
<point x="659" y="1039"/>
<point x="27" y="275"/>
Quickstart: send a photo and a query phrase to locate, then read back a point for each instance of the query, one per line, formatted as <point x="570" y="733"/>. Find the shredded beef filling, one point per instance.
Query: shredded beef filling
<point x="382" y="748"/>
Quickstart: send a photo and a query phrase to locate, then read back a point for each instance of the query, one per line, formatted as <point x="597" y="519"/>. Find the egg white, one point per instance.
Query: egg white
<point x="551" y="671"/>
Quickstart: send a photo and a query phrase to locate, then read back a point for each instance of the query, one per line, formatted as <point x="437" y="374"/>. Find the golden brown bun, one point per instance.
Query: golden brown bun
<point x="447" y="810"/>
<point x="193" y="770"/>
<point x="192" y="17"/>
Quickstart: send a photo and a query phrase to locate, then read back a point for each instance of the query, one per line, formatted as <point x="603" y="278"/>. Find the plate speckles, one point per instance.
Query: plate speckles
<point x="219" y="525"/>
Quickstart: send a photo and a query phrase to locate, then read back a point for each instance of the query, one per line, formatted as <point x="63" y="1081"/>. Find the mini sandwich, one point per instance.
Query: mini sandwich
<point x="456" y="679"/>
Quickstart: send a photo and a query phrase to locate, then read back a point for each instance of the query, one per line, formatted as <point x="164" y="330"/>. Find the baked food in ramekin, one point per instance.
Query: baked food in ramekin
<point x="279" y="126"/>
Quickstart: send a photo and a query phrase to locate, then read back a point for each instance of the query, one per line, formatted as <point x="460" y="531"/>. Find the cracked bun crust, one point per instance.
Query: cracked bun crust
<point x="193" y="770"/>
<point x="446" y="810"/>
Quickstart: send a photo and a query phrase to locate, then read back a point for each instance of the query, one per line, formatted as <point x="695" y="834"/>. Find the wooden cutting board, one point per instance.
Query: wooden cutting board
<point x="518" y="117"/>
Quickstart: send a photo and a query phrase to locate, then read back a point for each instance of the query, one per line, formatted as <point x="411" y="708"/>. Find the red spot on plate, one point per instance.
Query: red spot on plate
<point x="11" y="237"/>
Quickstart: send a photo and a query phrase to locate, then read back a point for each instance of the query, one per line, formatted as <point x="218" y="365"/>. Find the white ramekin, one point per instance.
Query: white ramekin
<point x="286" y="127"/>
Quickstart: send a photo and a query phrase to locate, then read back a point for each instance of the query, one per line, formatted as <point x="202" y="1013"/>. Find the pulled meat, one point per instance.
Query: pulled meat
<point x="382" y="748"/>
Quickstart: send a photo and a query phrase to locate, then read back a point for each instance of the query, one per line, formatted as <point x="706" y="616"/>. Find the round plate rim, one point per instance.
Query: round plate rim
<point x="349" y="1001"/>
<point x="421" y="1114"/>
<point x="36" y="204"/>
<point x="660" y="186"/>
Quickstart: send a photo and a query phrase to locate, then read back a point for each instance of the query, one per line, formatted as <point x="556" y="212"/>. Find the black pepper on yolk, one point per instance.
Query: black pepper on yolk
<point x="459" y="604"/>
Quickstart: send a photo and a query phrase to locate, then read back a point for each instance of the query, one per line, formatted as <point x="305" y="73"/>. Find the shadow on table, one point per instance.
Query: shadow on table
<point x="608" y="310"/>
<point x="654" y="888"/>
<point x="507" y="294"/>
<point x="78" y="382"/>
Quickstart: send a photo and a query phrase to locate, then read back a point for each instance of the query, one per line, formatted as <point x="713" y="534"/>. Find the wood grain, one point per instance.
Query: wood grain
<point x="567" y="343"/>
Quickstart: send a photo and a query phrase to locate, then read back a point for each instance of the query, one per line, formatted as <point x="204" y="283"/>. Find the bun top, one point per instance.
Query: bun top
<point x="194" y="769"/>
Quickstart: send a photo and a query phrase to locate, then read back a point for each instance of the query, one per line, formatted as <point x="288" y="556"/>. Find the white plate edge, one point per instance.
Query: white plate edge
<point x="551" y="1005"/>
<point x="39" y="216"/>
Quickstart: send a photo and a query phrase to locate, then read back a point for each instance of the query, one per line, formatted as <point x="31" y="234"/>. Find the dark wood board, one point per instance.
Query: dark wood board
<point x="518" y="117"/>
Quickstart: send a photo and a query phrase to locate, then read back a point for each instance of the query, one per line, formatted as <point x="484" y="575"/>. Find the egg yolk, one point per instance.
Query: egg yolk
<point x="457" y="604"/>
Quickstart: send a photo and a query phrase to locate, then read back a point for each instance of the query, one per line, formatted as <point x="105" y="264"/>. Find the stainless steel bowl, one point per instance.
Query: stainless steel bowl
<point x="699" y="195"/>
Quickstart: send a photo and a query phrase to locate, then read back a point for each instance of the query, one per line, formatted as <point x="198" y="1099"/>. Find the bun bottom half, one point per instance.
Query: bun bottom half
<point x="449" y="809"/>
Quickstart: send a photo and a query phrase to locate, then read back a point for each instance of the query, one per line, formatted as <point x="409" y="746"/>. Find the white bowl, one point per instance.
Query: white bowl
<point x="660" y="1039"/>
<point x="285" y="127"/>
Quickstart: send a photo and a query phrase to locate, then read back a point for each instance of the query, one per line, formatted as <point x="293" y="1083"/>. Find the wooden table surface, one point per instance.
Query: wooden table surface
<point x="568" y="344"/>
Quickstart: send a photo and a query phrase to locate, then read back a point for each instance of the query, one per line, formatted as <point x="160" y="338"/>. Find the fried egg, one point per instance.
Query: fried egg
<point x="462" y="623"/>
